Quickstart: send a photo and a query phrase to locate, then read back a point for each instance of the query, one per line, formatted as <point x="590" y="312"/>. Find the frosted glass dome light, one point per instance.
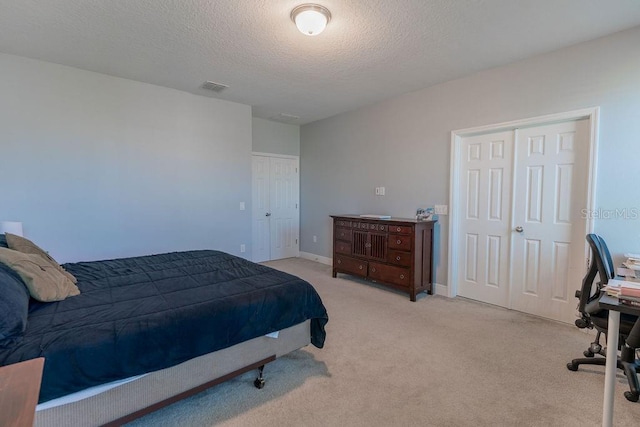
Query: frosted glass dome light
<point x="311" y="19"/>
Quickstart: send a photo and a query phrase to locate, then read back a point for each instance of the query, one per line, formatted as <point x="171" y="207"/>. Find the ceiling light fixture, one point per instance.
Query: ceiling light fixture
<point x="311" y="19"/>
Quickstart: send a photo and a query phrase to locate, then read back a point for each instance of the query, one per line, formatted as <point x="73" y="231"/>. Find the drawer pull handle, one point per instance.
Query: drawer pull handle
<point x="339" y="261"/>
<point x="399" y="229"/>
<point x="367" y="245"/>
<point x="373" y="270"/>
<point x="398" y="241"/>
<point x="382" y="228"/>
<point x="402" y="276"/>
<point x="398" y="258"/>
<point x="360" y="267"/>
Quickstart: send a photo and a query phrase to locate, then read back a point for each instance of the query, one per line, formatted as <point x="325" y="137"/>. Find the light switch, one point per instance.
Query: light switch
<point x="382" y="191"/>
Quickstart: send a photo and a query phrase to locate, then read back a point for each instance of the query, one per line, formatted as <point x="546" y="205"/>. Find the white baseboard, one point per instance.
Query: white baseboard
<point x="318" y="258"/>
<point x="441" y="289"/>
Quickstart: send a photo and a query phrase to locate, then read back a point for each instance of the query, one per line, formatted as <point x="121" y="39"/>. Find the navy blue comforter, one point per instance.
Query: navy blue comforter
<point x="142" y="314"/>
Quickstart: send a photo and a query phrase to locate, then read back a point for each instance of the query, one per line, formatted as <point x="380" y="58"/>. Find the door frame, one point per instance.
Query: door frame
<point x="592" y="114"/>
<point x="281" y="156"/>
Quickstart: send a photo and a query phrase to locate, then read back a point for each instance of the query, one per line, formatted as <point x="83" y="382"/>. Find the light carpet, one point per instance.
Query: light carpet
<point x="391" y="362"/>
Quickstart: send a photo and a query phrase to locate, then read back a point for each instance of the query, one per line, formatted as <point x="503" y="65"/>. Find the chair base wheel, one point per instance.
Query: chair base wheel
<point x="631" y="397"/>
<point x="594" y="348"/>
<point x="572" y="366"/>
<point x="259" y="383"/>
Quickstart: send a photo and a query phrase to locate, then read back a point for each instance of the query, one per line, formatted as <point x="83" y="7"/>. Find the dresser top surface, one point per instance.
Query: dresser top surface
<point x="393" y="219"/>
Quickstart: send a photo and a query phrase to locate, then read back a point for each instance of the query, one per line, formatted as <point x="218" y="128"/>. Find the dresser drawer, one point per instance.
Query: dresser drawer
<point x="399" y="241"/>
<point x="343" y="223"/>
<point x="400" y="229"/>
<point x="377" y="227"/>
<point x="350" y="265"/>
<point x="400" y="258"/>
<point x="343" y="234"/>
<point x="343" y="247"/>
<point x="390" y="274"/>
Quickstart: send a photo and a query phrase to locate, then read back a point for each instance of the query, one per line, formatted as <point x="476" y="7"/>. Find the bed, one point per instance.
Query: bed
<point x="158" y="328"/>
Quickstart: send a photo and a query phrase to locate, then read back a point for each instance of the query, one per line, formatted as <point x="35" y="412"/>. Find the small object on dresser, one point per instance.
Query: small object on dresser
<point x="424" y="214"/>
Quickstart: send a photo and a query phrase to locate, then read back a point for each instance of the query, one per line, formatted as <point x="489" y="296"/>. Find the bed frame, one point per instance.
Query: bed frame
<point x="132" y="400"/>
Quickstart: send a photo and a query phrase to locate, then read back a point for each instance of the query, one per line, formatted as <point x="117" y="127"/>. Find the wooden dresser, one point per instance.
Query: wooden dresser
<point x="19" y="391"/>
<point x="396" y="252"/>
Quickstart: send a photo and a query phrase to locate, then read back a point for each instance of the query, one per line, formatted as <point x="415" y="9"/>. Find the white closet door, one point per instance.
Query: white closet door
<point x="550" y="188"/>
<point x="521" y="232"/>
<point x="485" y="209"/>
<point x="275" y="207"/>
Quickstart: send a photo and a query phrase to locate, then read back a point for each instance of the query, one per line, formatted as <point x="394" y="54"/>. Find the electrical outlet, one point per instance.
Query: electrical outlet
<point x="441" y="209"/>
<point x="382" y="191"/>
<point x="243" y="248"/>
<point x="241" y="206"/>
<point x="315" y="239"/>
<point x="377" y="191"/>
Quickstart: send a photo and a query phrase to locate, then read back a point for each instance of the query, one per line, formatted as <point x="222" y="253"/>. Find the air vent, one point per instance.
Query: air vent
<point x="216" y="87"/>
<point x="285" y="118"/>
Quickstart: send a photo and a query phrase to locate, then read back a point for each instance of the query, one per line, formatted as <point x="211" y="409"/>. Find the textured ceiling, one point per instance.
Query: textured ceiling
<point x="371" y="50"/>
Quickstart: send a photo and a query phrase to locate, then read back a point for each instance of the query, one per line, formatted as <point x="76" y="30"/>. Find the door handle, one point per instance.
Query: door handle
<point x="267" y="214"/>
<point x="519" y="229"/>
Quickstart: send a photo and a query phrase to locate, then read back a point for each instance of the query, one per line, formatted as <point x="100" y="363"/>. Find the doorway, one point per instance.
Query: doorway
<point x="275" y="221"/>
<point x="518" y="193"/>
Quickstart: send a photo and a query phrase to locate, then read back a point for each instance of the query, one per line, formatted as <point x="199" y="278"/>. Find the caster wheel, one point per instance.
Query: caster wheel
<point x="594" y="349"/>
<point x="572" y="367"/>
<point x="259" y="383"/>
<point x="631" y="397"/>
<point x="588" y="353"/>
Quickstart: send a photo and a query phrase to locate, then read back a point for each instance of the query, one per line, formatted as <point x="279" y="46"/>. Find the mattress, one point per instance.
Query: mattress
<point x="143" y="314"/>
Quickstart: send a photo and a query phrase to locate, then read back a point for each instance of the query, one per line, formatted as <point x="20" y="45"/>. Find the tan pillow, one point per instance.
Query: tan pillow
<point x="44" y="281"/>
<point x="20" y="244"/>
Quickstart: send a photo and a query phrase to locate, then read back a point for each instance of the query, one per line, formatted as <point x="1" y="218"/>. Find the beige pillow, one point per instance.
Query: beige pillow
<point x="44" y="281"/>
<point x="20" y="244"/>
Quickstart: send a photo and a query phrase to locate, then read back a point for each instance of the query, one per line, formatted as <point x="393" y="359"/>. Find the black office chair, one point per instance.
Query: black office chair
<point x="592" y="316"/>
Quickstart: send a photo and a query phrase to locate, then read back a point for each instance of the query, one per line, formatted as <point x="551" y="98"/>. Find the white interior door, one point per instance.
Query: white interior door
<point x="284" y="208"/>
<point x="260" y="205"/>
<point x="276" y="218"/>
<point x="520" y="241"/>
<point x="485" y="177"/>
<point x="548" y="239"/>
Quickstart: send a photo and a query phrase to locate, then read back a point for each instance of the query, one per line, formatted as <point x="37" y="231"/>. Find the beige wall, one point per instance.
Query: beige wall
<point x="275" y="138"/>
<point x="101" y="167"/>
<point x="404" y="143"/>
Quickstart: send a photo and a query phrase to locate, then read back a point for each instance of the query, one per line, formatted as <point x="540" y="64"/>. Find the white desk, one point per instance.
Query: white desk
<point x="615" y="308"/>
